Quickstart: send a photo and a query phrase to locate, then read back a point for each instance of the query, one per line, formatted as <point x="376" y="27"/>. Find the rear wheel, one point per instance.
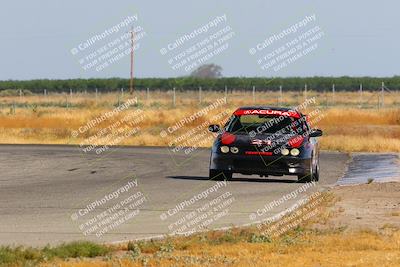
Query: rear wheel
<point x="219" y="175"/>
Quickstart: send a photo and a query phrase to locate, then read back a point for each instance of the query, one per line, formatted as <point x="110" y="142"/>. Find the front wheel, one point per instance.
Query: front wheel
<point x="219" y="175"/>
<point x="308" y="176"/>
<point x="316" y="173"/>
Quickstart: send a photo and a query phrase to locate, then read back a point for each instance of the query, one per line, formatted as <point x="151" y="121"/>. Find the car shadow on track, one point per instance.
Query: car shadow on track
<point x="237" y="179"/>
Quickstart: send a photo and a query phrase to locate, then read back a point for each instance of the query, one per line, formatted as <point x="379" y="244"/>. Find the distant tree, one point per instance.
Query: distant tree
<point x="207" y="71"/>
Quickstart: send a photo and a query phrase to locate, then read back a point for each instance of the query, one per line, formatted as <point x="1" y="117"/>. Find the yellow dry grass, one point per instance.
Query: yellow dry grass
<point x="357" y="249"/>
<point x="47" y="120"/>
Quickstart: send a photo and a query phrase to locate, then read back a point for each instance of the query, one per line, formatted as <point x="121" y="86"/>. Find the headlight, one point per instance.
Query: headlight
<point x="224" y="149"/>
<point x="285" y="151"/>
<point x="234" y="150"/>
<point x="294" y="152"/>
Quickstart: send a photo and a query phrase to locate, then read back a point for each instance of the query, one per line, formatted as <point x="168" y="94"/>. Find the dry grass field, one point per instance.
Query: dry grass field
<point x="351" y="121"/>
<point x="310" y="249"/>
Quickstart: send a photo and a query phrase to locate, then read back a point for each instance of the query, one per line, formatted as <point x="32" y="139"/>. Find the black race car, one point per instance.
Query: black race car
<point x="266" y="141"/>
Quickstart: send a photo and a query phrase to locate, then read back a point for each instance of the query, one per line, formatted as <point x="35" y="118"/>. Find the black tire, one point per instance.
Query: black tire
<point x="218" y="175"/>
<point x="305" y="178"/>
<point x="308" y="176"/>
<point x="213" y="174"/>
<point x="316" y="173"/>
<point x="227" y="176"/>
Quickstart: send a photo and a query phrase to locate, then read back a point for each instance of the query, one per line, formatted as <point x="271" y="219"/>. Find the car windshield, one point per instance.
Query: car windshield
<point x="264" y="124"/>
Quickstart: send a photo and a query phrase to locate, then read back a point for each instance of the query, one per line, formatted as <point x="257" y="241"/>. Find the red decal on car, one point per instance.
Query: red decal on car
<point x="289" y="113"/>
<point x="258" y="153"/>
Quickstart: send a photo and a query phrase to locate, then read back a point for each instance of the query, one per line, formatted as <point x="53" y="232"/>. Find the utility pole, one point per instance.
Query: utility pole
<point x="132" y="46"/>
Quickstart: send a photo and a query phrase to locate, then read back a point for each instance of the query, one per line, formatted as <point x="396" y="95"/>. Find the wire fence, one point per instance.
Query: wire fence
<point x="380" y="98"/>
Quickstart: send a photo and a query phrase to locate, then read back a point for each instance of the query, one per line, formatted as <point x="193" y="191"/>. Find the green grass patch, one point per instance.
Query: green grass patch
<point x="31" y="256"/>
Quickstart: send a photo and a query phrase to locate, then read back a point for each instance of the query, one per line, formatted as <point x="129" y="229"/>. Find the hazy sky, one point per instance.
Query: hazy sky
<point x="360" y="38"/>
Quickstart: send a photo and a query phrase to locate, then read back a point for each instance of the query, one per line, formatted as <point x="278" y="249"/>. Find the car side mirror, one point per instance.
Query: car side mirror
<point x="315" y="133"/>
<point x="214" y="128"/>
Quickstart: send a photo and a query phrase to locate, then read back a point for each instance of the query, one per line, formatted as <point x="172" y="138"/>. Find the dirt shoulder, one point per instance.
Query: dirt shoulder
<point x="374" y="206"/>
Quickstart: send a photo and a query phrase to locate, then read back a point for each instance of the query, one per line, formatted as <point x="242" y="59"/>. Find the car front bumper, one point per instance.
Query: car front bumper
<point x="261" y="165"/>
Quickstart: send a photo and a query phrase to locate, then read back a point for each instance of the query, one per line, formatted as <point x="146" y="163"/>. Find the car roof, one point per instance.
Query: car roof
<point x="266" y="107"/>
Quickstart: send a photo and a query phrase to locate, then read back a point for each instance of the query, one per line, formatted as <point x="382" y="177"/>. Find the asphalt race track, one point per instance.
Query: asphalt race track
<point x="46" y="193"/>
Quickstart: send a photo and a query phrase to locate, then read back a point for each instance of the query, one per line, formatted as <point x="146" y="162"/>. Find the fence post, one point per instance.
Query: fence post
<point x="378" y="101"/>
<point x="200" y="94"/>
<point x="96" y="96"/>
<point x="254" y="94"/>
<point x="361" y="94"/>
<point x="333" y="94"/>
<point x="383" y="95"/>
<point x="280" y="95"/>
<point x="226" y="94"/>
<point x="20" y="94"/>
<point x="174" y="97"/>
<point x="147" y="94"/>
<point x="119" y="99"/>
<point x="122" y="93"/>
<point x="305" y="91"/>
